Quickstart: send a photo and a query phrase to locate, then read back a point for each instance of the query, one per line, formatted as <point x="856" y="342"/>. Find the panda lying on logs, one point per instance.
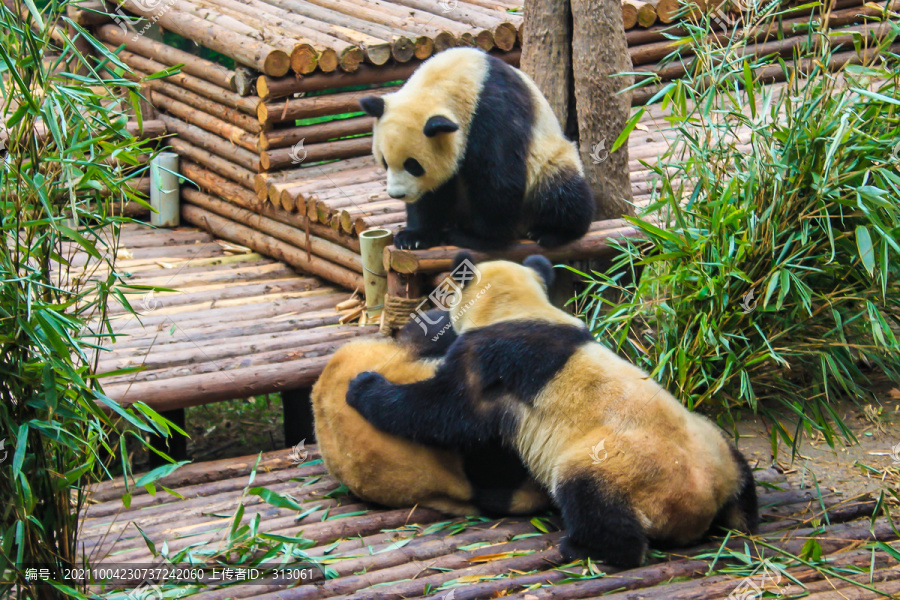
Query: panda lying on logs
<point x="533" y="374"/>
<point x="387" y="470"/>
<point x="474" y="149"/>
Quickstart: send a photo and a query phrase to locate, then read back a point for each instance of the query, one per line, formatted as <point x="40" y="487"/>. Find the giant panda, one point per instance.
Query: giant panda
<point x="394" y="472"/>
<point x="623" y="460"/>
<point x="474" y="149"/>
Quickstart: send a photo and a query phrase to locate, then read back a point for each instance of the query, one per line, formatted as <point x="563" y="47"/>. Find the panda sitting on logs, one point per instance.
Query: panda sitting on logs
<point x="474" y="149"/>
<point x="530" y="373"/>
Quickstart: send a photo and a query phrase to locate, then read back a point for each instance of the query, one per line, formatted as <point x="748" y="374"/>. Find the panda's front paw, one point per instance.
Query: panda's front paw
<point x="415" y="239"/>
<point x="365" y="391"/>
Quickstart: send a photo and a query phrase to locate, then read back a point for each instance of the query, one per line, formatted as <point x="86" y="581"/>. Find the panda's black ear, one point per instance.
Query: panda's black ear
<point x="461" y="271"/>
<point x="543" y="267"/>
<point x="373" y="105"/>
<point x="438" y="124"/>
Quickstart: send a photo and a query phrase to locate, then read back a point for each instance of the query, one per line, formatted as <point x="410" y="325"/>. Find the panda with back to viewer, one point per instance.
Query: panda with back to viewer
<point x="474" y="149"/>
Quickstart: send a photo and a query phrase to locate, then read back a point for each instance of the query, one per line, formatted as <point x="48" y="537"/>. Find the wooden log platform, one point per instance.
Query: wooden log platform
<point x="235" y="324"/>
<point x="373" y="552"/>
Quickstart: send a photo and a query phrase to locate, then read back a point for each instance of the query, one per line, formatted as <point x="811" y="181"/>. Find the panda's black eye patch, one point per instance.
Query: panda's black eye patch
<point x="413" y="167"/>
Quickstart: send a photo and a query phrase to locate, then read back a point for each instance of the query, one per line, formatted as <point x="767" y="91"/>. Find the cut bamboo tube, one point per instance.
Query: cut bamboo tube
<point x="243" y="49"/>
<point x="372" y="243"/>
<point x="164" y="190"/>
<point x="194" y="65"/>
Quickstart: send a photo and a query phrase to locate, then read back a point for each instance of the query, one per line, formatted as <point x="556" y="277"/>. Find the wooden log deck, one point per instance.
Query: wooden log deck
<point x="236" y="324"/>
<point x="391" y="554"/>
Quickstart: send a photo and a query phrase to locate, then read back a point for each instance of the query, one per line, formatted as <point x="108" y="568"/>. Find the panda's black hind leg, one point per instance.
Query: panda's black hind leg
<point x="599" y="523"/>
<point x="565" y="209"/>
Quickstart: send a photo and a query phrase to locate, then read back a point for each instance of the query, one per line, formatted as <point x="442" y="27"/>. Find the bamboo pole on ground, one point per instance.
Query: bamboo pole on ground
<point x="194" y="65"/>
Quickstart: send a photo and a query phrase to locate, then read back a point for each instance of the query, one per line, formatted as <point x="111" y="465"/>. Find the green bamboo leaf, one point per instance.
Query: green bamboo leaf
<point x="866" y="251"/>
<point x="160" y="472"/>
<point x="274" y="498"/>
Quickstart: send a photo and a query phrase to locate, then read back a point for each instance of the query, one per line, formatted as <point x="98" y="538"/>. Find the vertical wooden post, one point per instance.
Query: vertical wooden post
<point x="599" y="52"/>
<point x="175" y="445"/>
<point x="572" y="49"/>
<point x="298" y="416"/>
<point x="164" y="191"/>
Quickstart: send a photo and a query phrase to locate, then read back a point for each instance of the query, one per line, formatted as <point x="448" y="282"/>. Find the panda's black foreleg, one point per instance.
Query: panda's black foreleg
<point x="440" y="411"/>
<point x="599" y="523"/>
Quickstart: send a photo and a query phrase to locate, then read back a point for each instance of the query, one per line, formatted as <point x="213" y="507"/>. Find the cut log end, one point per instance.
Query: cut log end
<point x="646" y="15"/>
<point x="403" y="49"/>
<point x="351" y="58"/>
<point x="244" y="81"/>
<point x="378" y="54"/>
<point x="667" y="10"/>
<point x="328" y="60"/>
<point x="304" y="59"/>
<point x="261" y="187"/>
<point x="276" y="63"/>
<point x="484" y="40"/>
<point x="505" y="36"/>
<point x="629" y="15"/>
<point x="424" y="47"/>
<point x="443" y="41"/>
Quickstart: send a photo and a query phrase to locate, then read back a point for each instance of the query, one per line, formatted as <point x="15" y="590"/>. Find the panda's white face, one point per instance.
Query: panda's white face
<point x="405" y="183"/>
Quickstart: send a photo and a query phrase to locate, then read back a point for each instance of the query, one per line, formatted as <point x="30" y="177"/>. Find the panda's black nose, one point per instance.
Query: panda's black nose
<point x="396" y="196"/>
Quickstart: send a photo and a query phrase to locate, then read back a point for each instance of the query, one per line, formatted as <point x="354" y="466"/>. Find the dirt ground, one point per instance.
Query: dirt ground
<point x="870" y="466"/>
